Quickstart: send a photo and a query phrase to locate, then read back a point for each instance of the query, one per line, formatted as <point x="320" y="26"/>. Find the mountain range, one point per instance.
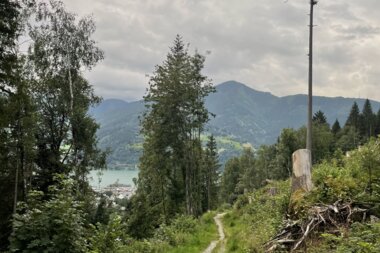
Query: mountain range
<point x="242" y="115"/>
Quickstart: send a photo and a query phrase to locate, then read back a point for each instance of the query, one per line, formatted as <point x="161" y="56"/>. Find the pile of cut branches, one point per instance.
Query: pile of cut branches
<point x="320" y="218"/>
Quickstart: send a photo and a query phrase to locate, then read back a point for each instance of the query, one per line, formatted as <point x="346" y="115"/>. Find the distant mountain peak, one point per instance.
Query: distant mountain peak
<point x="233" y="83"/>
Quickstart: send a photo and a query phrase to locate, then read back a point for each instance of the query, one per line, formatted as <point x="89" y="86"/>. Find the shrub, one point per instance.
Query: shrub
<point x="53" y="225"/>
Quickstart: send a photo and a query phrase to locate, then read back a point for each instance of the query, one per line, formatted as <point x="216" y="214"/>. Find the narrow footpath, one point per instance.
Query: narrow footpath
<point x="213" y="244"/>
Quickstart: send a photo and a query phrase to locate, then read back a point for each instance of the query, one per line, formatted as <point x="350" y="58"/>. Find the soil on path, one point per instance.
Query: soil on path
<point x="213" y="244"/>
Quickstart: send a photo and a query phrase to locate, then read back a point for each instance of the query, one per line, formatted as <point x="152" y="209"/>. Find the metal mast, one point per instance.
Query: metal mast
<point x="310" y="103"/>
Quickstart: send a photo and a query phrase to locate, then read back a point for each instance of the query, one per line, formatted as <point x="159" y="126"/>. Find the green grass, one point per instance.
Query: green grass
<point x="184" y="235"/>
<point x="135" y="146"/>
<point x="198" y="241"/>
<point x="223" y="141"/>
<point x="249" y="225"/>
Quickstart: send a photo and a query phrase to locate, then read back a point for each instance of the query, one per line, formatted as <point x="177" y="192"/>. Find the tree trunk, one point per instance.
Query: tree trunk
<point x="301" y="177"/>
<point x="16" y="189"/>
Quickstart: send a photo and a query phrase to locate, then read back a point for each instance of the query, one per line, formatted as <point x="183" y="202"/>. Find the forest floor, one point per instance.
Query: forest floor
<point x="221" y="240"/>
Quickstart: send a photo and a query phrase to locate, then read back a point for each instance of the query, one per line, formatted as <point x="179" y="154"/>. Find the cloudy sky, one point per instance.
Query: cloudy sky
<point x="262" y="43"/>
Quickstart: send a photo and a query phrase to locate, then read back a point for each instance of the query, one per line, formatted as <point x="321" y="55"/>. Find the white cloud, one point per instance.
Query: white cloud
<point x="262" y="43"/>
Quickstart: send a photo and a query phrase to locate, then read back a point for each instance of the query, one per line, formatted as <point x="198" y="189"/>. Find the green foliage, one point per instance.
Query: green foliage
<point x="44" y="126"/>
<point x="230" y="179"/>
<point x="362" y="237"/>
<point x="183" y="234"/>
<point x="353" y="117"/>
<point x="335" y="127"/>
<point x="210" y="173"/>
<point x="347" y="139"/>
<point x="172" y="175"/>
<point x="176" y="233"/>
<point x="55" y="225"/>
<point x="288" y="143"/>
<point x="368" y="121"/>
<point x="351" y="178"/>
<point x="320" y="118"/>
<point x="203" y="233"/>
<point x="256" y="217"/>
<point x="110" y="237"/>
<point x="334" y="183"/>
<point x="66" y="136"/>
<point x="249" y="177"/>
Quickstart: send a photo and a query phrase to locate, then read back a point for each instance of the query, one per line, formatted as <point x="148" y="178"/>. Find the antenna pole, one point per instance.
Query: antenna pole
<point x="310" y="102"/>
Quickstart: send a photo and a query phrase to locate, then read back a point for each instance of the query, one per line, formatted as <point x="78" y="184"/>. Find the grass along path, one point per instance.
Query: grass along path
<point x="213" y="244"/>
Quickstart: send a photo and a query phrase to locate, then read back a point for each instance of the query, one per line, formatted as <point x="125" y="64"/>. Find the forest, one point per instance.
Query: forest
<point x="48" y="145"/>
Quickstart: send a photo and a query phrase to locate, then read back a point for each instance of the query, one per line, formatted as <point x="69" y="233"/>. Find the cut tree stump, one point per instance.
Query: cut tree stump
<point x="301" y="176"/>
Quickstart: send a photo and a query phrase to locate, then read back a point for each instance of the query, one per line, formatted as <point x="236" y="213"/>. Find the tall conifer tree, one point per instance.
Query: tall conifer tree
<point x="377" y="131"/>
<point x="353" y="117"/>
<point x="211" y="172"/>
<point x="336" y="127"/>
<point x="368" y="123"/>
<point x="175" y="117"/>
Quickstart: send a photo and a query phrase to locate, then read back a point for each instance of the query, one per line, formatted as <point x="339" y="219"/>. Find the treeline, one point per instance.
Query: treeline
<point x="273" y="162"/>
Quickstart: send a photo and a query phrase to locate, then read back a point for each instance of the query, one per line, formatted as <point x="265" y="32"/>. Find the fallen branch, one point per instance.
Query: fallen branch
<point x="320" y="218"/>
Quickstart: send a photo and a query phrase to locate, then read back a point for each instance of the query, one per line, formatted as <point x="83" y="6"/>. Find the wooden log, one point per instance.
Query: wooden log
<point x="301" y="176"/>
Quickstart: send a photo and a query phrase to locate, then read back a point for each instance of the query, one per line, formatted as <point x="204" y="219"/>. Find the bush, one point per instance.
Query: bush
<point x="360" y="238"/>
<point x="109" y="237"/>
<point x="54" y="225"/>
<point x="355" y="177"/>
<point x="335" y="183"/>
<point x="176" y="233"/>
<point x="184" y="224"/>
<point x="241" y="201"/>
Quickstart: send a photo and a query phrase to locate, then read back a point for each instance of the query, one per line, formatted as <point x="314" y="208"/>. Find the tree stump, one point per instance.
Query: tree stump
<point x="301" y="180"/>
<point x="301" y="176"/>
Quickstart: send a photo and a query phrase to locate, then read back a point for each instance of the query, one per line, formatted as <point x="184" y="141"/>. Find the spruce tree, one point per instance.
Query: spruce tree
<point x="368" y="121"/>
<point x="230" y="180"/>
<point x="248" y="174"/>
<point x="319" y="118"/>
<point x="336" y="127"/>
<point x="170" y="166"/>
<point x="377" y="131"/>
<point x="353" y="117"/>
<point x="211" y="171"/>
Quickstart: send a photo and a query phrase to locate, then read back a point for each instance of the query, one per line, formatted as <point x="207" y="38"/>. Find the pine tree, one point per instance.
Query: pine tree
<point x="336" y="127"/>
<point x="211" y="171"/>
<point x="368" y="121"/>
<point x="377" y="131"/>
<point x="319" y="118"/>
<point x="353" y="117"/>
<point x="248" y="178"/>
<point x="230" y="179"/>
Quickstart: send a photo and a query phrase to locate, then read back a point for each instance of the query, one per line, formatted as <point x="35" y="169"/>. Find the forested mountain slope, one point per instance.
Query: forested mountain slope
<point x="242" y="115"/>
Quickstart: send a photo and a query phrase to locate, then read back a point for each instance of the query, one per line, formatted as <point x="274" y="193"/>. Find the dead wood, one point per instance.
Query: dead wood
<point x="320" y="218"/>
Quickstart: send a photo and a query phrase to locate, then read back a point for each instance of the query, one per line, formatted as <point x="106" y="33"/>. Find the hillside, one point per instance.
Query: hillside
<point x="242" y="115"/>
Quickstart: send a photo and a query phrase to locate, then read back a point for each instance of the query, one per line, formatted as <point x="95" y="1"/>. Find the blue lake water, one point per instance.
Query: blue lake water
<point x="112" y="176"/>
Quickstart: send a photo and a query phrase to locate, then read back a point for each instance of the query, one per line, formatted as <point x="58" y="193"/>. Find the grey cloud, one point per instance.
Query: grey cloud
<point x="262" y="43"/>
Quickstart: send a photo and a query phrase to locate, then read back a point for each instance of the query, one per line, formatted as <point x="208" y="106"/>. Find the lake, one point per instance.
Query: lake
<point x="111" y="176"/>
